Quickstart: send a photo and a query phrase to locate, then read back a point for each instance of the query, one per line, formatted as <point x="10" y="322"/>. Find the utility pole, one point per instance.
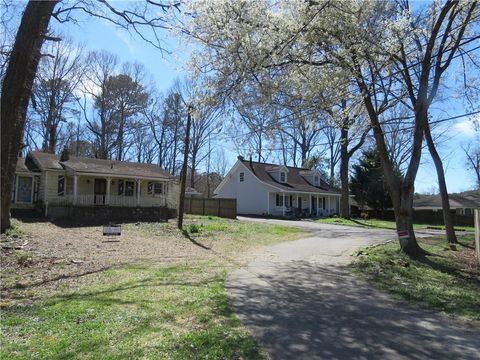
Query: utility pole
<point x="183" y="173"/>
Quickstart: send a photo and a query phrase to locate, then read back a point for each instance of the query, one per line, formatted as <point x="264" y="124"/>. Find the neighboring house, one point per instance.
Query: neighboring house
<point x="191" y="192"/>
<point x="270" y="189"/>
<point x="460" y="204"/>
<point x="44" y="180"/>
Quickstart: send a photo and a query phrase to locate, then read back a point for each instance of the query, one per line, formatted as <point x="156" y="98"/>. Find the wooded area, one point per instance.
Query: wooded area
<point x="305" y="84"/>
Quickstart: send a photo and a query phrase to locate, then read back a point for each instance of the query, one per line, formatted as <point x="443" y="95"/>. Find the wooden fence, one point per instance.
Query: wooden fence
<point x="216" y="207"/>
<point x="477" y="233"/>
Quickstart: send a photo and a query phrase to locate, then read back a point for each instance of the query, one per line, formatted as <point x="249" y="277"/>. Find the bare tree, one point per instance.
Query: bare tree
<point x="16" y="91"/>
<point x="102" y="67"/>
<point x="473" y="161"/>
<point x="53" y="98"/>
<point x="25" y="55"/>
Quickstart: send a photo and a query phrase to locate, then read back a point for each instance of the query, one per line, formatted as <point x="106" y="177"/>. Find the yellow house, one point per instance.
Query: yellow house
<point x="45" y="180"/>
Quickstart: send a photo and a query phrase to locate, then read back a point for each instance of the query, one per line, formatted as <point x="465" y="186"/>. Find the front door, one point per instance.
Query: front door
<point x="99" y="190"/>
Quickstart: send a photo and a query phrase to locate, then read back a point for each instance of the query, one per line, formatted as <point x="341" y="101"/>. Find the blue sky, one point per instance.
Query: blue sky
<point x="164" y="68"/>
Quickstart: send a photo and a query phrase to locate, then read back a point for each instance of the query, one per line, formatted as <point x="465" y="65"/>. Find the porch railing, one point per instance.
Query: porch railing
<point x="113" y="200"/>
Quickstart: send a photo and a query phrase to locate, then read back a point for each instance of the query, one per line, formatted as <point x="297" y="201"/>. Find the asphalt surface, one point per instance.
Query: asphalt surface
<point x="301" y="302"/>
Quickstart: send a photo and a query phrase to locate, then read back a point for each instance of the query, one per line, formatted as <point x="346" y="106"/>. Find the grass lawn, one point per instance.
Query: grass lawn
<point x="153" y="294"/>
<point x="385" y="224"/>
<point x="448" y="281"/>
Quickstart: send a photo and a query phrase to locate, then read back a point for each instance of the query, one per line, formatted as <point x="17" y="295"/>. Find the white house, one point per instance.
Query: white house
<point x="270" y="189"/>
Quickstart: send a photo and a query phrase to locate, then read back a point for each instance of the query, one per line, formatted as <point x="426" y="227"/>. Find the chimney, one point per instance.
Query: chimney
<point x="240" y="157"/>
<point x="65" y="156"/>
<point x="250" y="160"/>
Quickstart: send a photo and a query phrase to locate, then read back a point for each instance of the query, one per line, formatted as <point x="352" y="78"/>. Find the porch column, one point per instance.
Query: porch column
<point x="75" y="189"/>
<point x="139" y="182"/>
<point x="283" y="204"/>
<point x="107" y="199"/>
<point x="268" y="203"/>
<point x="318" y="204"/>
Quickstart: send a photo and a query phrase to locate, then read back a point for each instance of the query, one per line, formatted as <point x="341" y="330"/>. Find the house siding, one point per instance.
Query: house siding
<point x="251" y="194"/>
<point x="51" y="188"/>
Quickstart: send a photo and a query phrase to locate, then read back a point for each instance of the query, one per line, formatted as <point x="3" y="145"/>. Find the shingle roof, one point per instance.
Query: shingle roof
<point x="462" y="200"/>
<point x="296" y="182"/>
<point x="21" y="167"/>
<point x="100" y="166"/>
<point x="46" y="160"/>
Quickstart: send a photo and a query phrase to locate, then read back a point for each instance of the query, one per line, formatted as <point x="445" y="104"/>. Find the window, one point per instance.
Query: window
<point x="61" y="185"/>
<point x="317" y="180"/>
<point x="242" y="177"/>
<point x="279" y="200"/>
<point x="157" y="188"/>
<point x="282" y="177"/>
<point x="129" y="188"/>
<point x="25" y="188"/>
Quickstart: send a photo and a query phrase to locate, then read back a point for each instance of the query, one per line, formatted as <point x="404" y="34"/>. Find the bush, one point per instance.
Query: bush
<point x="194" y="228"/>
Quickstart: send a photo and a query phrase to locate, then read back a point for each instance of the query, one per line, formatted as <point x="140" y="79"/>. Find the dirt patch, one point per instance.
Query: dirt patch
<point x="47" y="256"/>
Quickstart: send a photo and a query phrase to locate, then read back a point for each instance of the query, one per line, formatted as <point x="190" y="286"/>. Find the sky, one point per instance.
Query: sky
<point x="165" y="67"/>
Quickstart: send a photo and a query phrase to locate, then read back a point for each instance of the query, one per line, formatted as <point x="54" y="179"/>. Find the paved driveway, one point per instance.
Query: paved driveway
<point x="301" y="302"/>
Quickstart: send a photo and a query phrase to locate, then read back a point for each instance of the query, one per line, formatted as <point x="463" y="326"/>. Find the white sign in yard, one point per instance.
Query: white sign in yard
<point x="110" y="230"/>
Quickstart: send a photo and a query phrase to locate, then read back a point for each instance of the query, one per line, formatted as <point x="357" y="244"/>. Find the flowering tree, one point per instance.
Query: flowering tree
<point x="363" y="49"/>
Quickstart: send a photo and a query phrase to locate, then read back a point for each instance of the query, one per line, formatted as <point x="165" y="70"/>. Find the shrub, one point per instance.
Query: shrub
<point x="194" y="228"/>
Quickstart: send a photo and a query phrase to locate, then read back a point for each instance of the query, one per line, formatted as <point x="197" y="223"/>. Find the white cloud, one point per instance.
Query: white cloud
<point x="466" y="127"/>
<point x="127" y="39"/>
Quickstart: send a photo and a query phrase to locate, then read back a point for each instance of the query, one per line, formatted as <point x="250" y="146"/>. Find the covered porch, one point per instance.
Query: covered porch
<point x="99" y="190"/>
<point x="300" y="204"/>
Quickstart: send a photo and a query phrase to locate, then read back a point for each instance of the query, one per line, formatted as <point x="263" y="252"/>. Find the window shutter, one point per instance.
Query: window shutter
<point x="120" y="187"/>
<point x="61" y="185"/>
<point x="150" y="187"/>
<point x="36" y="184"/>
<point x="277" y="200"/>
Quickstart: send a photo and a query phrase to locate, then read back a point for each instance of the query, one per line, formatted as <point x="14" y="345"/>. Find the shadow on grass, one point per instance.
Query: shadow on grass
<point x="447" y="268"/>
<point x="153" y="317"/>
<point x="193" y="241"/>
<point x="371" y="225"/>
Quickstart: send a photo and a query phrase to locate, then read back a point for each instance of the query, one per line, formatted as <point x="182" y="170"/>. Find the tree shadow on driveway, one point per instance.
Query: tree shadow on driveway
<point x="301" y="310"/>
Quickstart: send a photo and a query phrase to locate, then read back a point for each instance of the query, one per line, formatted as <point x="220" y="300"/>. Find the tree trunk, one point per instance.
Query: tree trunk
<point x="183" y="175"/>
<point x="404" y="222"/>
<point x="401" y="194"/>
<point x="447" y="217"/>
<point x="193" y="168"/>
<point x="344" y="159"/>
<point x="17" y="90"/>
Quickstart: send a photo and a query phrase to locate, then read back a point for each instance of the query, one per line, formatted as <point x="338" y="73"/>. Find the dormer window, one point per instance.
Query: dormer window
<point x="283" y="177"/>
<point x="242" y="177"/>
<point x="317" y="180"/>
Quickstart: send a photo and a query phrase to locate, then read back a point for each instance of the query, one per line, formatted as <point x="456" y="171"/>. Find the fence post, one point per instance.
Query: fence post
<point x="477" y="233"/>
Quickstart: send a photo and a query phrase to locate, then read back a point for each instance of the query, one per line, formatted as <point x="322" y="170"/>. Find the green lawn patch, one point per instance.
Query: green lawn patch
<point x="448" y="281"/>
<point x="177" y="312"/>
<point x="144" y="309"/>
<point x="384" y="224"/>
